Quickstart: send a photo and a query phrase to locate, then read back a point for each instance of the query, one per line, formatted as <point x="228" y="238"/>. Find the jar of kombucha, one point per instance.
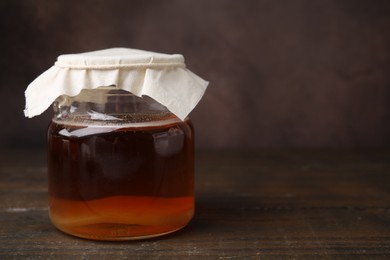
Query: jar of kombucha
<point x="121" y="156"/>
<point x="120" y="166"/>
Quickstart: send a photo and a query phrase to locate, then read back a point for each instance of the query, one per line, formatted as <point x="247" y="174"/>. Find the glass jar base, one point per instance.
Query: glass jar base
<point x="123" y="237"/>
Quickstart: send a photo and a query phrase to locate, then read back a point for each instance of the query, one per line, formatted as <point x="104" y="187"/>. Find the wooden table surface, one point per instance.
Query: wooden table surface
<point x="250" y="205"/>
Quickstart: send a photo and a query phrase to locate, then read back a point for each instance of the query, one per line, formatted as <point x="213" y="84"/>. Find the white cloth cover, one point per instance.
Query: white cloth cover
<point x="163" y="77"/>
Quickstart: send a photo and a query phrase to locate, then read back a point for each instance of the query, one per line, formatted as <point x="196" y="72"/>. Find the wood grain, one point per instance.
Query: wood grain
<point x="250" y="205"/>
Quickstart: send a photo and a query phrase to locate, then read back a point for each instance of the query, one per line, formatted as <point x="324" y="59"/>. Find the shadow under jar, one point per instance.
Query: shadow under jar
<point x="120" y="167"/>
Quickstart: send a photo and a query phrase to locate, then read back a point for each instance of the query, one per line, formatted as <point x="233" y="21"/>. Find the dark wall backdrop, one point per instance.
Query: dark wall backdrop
<point x="283" y="73"/>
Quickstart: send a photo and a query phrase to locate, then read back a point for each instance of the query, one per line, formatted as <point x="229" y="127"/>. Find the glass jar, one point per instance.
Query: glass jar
<point x="120" y="167"/>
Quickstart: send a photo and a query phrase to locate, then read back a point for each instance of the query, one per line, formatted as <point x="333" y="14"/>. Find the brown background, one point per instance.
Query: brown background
<point x="283" y="73"/>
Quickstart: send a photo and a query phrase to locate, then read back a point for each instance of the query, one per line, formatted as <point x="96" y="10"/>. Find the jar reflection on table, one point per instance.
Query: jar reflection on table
<point x="120" y="167"/>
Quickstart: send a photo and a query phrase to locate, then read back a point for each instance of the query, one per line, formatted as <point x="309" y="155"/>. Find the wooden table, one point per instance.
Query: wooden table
<point x="250" y="205"/>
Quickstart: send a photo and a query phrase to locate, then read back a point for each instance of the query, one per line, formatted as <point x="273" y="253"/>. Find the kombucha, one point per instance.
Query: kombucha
<point x="120" y="182"/>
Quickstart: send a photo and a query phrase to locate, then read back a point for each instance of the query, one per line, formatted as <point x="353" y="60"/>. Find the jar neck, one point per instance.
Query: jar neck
<point x="109" y="105"/>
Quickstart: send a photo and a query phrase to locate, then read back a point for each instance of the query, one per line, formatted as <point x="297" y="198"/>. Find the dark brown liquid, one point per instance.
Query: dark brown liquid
<point x="121" y="183"/>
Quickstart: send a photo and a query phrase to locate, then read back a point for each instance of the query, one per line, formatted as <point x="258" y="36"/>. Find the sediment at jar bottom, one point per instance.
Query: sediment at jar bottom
<point x="121" y="217"/>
